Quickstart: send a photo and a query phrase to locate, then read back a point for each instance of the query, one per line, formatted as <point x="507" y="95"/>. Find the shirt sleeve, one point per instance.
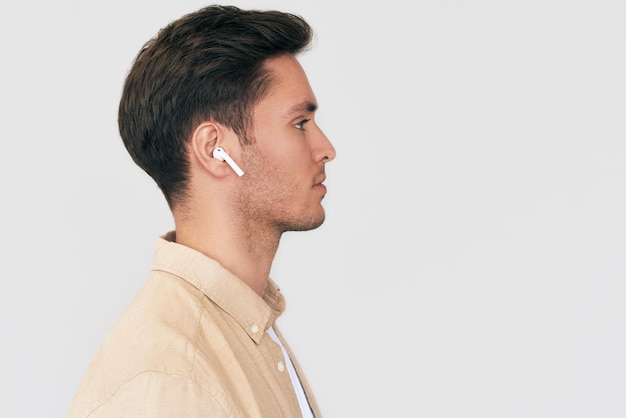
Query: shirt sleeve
<point x="160" y="395"/>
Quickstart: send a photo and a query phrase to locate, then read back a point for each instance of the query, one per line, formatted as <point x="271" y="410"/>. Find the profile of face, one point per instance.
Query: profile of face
<point x="285" y="166"/>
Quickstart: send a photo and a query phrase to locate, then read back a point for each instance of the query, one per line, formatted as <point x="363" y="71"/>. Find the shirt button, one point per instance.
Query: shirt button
<point x="281" y="366"/>
<point x="254" y="329"/>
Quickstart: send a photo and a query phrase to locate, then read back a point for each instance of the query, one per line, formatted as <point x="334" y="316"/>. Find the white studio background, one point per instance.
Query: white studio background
<point x="473" y="262"/>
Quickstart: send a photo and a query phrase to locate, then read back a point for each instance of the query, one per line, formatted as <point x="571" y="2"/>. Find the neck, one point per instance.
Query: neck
<point x="245" y="250"/>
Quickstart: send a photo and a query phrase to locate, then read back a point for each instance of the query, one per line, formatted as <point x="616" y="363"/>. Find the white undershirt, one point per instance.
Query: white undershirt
<point x="295" y="381"/>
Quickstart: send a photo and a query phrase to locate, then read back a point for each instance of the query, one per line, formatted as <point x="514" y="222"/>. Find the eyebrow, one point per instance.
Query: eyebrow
<point x="303" y="107"/>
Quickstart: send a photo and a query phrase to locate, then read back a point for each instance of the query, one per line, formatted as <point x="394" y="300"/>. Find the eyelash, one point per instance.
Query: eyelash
<point x="300" y="125"/>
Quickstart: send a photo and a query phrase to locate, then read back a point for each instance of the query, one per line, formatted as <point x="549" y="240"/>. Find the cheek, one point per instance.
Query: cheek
<point x="263" y="172"/>
<point x="285" y="161"/>
<point x="296" y="155"/>
<point x="288" y="160"/>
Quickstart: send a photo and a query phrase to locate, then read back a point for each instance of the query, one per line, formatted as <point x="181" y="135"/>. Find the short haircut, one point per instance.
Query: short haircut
<point x="207" y="65"/>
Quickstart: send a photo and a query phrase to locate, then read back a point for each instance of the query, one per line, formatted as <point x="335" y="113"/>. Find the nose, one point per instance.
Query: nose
<point x="325" y="152"/>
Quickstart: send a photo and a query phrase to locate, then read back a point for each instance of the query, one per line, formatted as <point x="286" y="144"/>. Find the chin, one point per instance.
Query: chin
<point x="305" y="223"/>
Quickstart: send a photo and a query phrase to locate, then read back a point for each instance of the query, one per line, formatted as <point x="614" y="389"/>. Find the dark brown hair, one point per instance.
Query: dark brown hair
<point x="207" y="65"/>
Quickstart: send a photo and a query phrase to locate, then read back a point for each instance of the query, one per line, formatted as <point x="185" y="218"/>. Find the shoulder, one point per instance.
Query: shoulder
<point x="151" y="347"/>
<point x="158" y="325"/>
<point x="159" y="394"/>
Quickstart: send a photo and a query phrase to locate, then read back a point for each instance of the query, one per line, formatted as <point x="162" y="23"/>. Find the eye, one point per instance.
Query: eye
<point x="300" y="125"/>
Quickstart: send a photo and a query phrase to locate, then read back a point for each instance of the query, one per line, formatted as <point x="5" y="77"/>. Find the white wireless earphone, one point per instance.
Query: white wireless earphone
<point x="222" y="155"/>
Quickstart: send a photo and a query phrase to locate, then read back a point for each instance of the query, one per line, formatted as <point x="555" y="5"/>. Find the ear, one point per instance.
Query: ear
<point x="206" y="137"/>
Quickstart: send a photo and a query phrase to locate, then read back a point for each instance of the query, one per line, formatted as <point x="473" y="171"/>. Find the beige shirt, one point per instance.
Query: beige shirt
<point x="192" y="343"/>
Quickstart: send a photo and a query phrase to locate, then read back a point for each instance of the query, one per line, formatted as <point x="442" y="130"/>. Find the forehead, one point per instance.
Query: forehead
<point x="290" y="91"/>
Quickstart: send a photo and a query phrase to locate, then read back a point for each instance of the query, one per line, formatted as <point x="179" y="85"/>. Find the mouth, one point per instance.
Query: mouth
<point x="319" y="180"/>
<point x="319" y="184"/>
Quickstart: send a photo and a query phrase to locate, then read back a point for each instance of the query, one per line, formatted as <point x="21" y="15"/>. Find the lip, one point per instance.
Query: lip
<point x="319" y="180"/>
<point x="319" y="184"/>
<point x="320" y="187"/>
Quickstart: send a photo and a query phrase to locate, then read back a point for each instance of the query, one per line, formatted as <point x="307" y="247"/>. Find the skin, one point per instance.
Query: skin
<point x="239" y="221"/>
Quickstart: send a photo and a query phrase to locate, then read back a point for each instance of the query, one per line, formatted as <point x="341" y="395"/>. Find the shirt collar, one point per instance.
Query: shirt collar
<point x="253" y="313"/>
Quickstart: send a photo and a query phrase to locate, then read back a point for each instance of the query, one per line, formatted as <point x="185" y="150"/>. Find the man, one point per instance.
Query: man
<point x="218" y="111"/>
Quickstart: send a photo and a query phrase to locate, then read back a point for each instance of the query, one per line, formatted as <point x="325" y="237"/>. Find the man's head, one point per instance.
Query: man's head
<point x="207" y="65"/>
